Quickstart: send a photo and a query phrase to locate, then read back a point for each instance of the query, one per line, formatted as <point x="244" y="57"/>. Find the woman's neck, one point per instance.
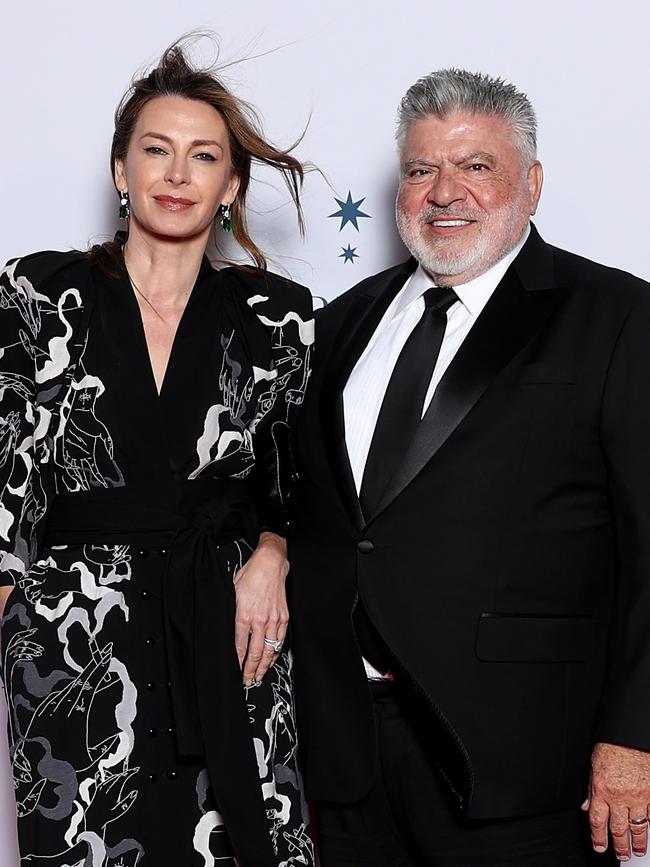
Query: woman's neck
<point x="164" y="271"/>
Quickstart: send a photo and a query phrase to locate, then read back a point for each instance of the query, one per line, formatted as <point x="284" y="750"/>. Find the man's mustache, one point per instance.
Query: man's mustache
<point x="451" y="213"/>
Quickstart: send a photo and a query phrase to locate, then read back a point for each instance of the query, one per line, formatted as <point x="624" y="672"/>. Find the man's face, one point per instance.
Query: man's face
<point x="465" y="194"/>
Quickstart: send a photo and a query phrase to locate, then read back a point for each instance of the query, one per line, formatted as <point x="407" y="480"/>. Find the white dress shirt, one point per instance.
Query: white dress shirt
<point x="365" y="389"/>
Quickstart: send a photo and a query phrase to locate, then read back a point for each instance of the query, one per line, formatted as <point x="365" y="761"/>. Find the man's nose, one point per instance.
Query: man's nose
<point x="446" y="189"/>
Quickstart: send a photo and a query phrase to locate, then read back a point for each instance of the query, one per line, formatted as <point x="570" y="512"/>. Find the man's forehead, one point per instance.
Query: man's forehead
<point x="458" y="126"/>
<point x="480" y="132"/>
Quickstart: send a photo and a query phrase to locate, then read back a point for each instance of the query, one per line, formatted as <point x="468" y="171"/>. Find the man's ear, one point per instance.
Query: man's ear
<point x="535" y="183"/>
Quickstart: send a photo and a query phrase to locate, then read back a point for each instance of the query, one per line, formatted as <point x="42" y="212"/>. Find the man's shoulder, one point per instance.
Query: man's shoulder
<point x="338" y="308"/>
<point x="598" y="280"/>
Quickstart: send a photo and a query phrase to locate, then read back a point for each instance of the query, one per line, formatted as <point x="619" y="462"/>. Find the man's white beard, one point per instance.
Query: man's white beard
<point x="438" y="261"/>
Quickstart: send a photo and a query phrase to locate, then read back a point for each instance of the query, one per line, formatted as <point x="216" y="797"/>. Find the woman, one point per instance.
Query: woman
<point x="144" y="460"/>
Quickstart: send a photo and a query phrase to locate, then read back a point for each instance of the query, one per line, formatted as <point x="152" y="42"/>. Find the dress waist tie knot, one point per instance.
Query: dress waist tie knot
<point x="197" y="520"/>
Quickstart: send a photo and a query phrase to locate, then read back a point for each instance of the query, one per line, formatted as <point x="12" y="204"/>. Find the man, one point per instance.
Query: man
<point x="471" y="559"/>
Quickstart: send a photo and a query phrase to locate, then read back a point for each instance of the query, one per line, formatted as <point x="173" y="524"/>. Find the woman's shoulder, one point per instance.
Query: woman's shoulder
<point x="266" y="291"/>
<point x="46" y="274"/>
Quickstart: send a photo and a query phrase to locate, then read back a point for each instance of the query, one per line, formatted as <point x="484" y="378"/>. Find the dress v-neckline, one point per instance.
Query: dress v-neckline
<point x="150" y="365"/>
<point x="144" y="345"/>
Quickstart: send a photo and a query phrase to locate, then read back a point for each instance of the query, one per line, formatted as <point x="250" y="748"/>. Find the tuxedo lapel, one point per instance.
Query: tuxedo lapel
<point x="514" y="313"/>
<point x="350" y="339"/>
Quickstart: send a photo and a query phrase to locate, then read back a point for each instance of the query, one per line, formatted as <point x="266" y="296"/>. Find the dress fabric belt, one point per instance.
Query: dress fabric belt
<point x="193" y="519"/>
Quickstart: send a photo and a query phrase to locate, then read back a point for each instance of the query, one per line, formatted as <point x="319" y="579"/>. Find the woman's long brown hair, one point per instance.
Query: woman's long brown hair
<point x="176" y="76"/>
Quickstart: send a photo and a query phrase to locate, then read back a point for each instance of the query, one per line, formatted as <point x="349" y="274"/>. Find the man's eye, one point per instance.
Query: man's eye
<point x="418" y="173"/>
<point x="478" y="167"/>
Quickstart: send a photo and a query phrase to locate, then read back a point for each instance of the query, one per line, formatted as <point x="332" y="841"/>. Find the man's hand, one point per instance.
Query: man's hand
<point x="262" y="610"/>
<point x="619" y="797"/>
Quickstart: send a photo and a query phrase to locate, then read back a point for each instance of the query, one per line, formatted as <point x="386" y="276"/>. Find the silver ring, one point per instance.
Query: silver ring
<point x="642" y="821"/>
<point x="276" y="644"/>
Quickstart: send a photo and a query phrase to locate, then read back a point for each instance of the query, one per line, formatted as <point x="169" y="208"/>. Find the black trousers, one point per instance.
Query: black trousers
<point x="407" y="819"/>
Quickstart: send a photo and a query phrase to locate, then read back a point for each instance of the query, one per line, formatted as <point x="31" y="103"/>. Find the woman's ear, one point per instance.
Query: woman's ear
<point x="119" y="176"/>
<point x="232" y="190"/>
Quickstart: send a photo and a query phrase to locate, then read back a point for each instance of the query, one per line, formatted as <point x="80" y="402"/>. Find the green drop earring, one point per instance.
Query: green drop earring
<point x="226" y="218"/>
<point x="125" y="211"/>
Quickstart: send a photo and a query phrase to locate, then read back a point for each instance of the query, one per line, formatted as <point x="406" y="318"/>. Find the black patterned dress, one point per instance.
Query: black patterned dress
<point x="124" y="515"/>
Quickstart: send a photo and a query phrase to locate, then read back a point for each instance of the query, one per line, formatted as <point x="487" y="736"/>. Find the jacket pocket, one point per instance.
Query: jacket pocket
<point x="534" y="638"/>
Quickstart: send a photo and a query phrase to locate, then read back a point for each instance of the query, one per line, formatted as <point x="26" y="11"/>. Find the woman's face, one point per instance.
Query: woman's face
<point x="177" y="169"/>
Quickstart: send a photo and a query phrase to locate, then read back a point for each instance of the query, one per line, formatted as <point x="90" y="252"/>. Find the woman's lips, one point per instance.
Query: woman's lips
<point x="172" y="203"/>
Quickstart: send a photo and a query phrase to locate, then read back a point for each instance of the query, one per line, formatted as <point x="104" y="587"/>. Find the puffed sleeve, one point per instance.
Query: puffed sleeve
<point x="39" y="313"/>
<point x="20" y="322"/>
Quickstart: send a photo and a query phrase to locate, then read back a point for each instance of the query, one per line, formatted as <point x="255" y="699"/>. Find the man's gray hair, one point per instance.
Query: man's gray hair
<point x="447" y="90"/>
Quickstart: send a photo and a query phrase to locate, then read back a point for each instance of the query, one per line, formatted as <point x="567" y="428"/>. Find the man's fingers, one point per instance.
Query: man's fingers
<point x="639" y="839"/>
<point x="639" y="829"/>
<point x="598" y="818"/>
<point x="619" y="826"/>
<point x="620" y="780"/>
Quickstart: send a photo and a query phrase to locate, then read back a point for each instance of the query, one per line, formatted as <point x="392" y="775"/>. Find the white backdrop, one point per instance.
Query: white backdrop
<point x="342" y="66"/>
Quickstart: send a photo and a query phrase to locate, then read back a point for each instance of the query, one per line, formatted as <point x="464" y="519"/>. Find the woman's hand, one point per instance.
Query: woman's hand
<point x="261" y="606"/>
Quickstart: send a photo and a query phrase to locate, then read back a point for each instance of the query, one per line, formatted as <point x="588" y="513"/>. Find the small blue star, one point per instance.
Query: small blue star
<point x="349" y="212"/>
<point x="349" y="254"/>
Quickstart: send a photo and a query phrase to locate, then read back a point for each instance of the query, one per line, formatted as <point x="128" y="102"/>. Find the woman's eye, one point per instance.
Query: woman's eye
<point x="154" y="149"/>
<point x="206" y="157"/>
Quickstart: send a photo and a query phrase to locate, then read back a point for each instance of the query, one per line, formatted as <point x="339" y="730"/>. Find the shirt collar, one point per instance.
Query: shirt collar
<point x="474" y="295"/>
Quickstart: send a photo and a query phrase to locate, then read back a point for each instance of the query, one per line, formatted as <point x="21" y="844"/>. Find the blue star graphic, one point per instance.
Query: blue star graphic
<point x="349" y="212"/>
<point x="349" y="254"/>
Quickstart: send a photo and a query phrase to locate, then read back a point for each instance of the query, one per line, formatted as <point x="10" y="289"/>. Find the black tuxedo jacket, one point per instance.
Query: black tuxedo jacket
<point x="508" y="566"/>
